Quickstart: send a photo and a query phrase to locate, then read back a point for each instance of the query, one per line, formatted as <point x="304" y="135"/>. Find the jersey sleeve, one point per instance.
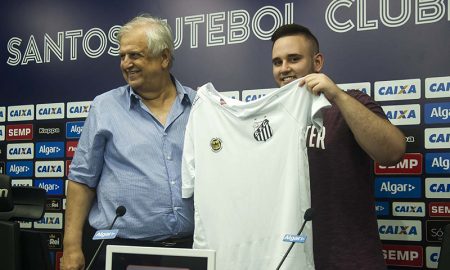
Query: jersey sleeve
<point x="188" y="160"/>
<point x="318" y="103"/>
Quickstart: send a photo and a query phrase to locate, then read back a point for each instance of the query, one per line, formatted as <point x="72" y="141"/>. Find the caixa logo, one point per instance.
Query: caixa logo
<point x="2" y="114"/>
<point x="20" y="151"/>
<point x="437" y="87"/>
<point x="437" y="113"/>
<point x="397" y="90"/>
<point x="21" y="113"/>
<point x="437" y="188"/>
<point x="49" y="149"/>
<point x="405" y="187"/>
<point x="74" y="129"/>
<point x="78" y="109"/>
<point x="411" y="164"/>
<point x="19" y="168"/>
<point x="437" y="163"/>
<point x="50" y="111"/>
<point x="50" y="221"/>
<point x="401" y="115"/>
<point x="382" y="208"/>
<point x="437" y="138"/>
<point x="52" y="186"/>
<point x="408" y="209"/>
<point x="432" y="256"/>
<point x="401" y="230"/>
<point x="49" y="168"/>
<point x="363" y="87"/>
<point x="250" y="95"/>
<point x="400" y="255"/>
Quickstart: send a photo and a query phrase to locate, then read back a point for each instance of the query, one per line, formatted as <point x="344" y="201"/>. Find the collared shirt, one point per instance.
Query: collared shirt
<point x="134" y="161"/>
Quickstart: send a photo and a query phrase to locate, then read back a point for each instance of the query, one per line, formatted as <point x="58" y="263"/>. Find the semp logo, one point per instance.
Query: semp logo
<point x="2" y="114"/>
<point x="21" y="182"/>
<point x="49" y="168"/>
<point x="20" y="151"/>
<point x="382" y="208"/>
<point x="74" y="129"/>
<point x="401" y="230"/>
<point x="20" y="113"/>
<point x="437" y="138"/>
<point x="435" y="230"/>
<point x="437" y="87"/>
<point x="405" y="187"/>
<point x="363" y="87"/>
<point x="439" y="209"/>
<point x="71" y="146"/>
<point x="49" y="111"/>
<point x="437" y="113"/>
<point x="408" y="209"/>
<point x="437" y="188"/>
<point x="250" y="95"/>
<point x="401" y="255"/>
<point x="50" y="221"/>
<point x="2" y="133"/>
<point x="78" y="109"/>
<point x="402" y="115"/>
<point x="48" y="131"/>
<point x="2" y="167"/>
<point x="231" y="94"/>
<point x="411" y="164"/>
<point x="54" y="240"/>
<point x="19" y="132"/>
<point x="437" y="163"/>
<point x="50" y="150"/>
<point x="397" y="90"/>
<point x="53" y="204"/>
<point x="19" y="168"/>
<point x="52" y="186"/>
<point x="432" y="256"/>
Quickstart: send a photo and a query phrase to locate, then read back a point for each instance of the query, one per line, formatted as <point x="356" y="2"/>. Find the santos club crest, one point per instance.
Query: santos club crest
<point x="263" y="131"/>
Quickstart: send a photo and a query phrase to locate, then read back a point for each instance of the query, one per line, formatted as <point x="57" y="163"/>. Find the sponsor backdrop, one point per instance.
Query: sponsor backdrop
<point x="56" y="56"/>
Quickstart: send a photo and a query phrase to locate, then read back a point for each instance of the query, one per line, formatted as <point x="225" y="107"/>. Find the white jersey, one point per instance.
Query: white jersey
<point x="247" y="165"/>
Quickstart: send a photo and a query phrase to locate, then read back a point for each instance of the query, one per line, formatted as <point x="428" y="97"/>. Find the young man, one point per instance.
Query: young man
<point x="130" y="151"/>
<point x="355" y="132"/>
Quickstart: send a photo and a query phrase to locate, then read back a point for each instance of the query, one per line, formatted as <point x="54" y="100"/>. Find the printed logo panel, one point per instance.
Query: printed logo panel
<point x="435" y="230"/>
<point x="437" y="87"/>
<point x="74" y="129"/>
<point x="49" y="168"/>
<point x="53" y="204"/>
<point x="51" y="186"/>
<point x="2" y="133"/>
<point x="20" y="151"/>
<point x="22" y="182"/>
<point x="401" y="115"/>
<point x="408" y="209"/>
<point x="78" y="109"/>
<point x="439" y="209"/>
<point x="50" y="221"/>
<point x="382" y="208"/>
<point x="55" y="240"/>
<point x="49" y="149"/>
<point x="400" y="255"/>
<point x="437" y="188"/>
<point x="405" y="187"/>
<point x="411" y="164"/>
<point x="437" y="138"/>
<point x="2" y="168"/>
<point x="250" y="95"/>
<point x="437" y="113"/>
<point x="19" y="132"/>
<point x="397" y="90"/>
<point x="19" y="168"/>
<point x="437" y="163"/>
<point x="25" y="224"/>
<point x="432" y="256"/>
<point x="49" y="111"/>
<point x="2" y="114"/>
<point x="20" y="113"/>
<point x="71" y="146"/>
<point x="414" y="138"/>
<point x="363" y="87"/>
<point x="401" y="230"/>
<point x="49" y="131"/>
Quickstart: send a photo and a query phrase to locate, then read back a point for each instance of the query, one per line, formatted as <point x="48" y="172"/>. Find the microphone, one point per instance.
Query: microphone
<point x="120" y="211"/>
<point x="306" y="217"/>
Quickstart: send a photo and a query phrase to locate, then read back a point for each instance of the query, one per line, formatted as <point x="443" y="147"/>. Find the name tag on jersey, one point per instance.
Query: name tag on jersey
<point x="295" y="238"/>
<point x="105" y="234"/>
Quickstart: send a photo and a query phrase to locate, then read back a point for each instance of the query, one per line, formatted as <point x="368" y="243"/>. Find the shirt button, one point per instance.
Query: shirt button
<point x="169" y="157"/>
<point x="172" y="182"/>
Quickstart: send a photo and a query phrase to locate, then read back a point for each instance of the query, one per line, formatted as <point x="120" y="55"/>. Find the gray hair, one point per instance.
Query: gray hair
<point x="159" y="34"/>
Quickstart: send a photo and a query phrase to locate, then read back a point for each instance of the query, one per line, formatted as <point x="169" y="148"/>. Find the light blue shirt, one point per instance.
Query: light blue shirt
<point x="134" y="161"/>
